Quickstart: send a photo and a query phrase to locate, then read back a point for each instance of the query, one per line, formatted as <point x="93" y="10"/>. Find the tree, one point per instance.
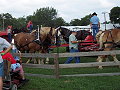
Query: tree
<point x="115" y="15"/>
<point x="44" y="16"/>
<point x="6" y="19"/>
<point x="85" y="20"/>
<point x="59" y="22"/>
<point x="75" y="22"/>
<point x="21" y="22"/>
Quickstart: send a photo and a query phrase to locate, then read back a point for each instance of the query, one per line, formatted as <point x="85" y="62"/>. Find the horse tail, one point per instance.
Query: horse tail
<point x="101" y="40"/>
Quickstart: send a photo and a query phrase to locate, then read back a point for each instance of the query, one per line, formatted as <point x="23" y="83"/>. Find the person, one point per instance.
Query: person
<point x="15" y="64"/>
<point x="89" y="38"/>
<point x="30" y="26"/>
<point x="3" y="43"/>
<point x="73" y="47"/>
<point x="9" y="34"/>
<point x="15" y="50"/>
<point x="94" y="24"/>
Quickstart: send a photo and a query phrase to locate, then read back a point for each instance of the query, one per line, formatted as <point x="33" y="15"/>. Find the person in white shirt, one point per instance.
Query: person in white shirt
<point x="3" y="43"/>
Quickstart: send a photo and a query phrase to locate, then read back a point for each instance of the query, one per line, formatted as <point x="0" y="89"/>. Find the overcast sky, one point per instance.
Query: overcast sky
<point x="68" y="9"/>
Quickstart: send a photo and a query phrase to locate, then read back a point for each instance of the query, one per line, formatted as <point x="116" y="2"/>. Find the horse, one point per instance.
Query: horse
<point x="108" y="40"/>
<point x="81" y="34"/>
<point x="28" y="42"/>
<point x="65" y="33"/>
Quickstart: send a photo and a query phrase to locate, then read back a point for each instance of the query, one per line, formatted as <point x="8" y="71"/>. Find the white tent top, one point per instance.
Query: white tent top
<point x="102" y="27"/>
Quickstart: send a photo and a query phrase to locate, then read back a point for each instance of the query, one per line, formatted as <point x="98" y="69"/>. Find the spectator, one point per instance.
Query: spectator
<point x="95" y="24"/>
<point x="15" y="50"/>
<point x="73" y="46"/>
<point x="3" y="43"/>
<point x="30" y="26"/>
<point x="9" y="34"/>
<point x="15" y="65"/>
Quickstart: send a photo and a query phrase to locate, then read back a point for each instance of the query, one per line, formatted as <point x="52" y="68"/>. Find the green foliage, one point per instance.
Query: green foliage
<point x="75" y="22"/>
<point x="44" y="16"/>
<point x="115" y="15"/>
<point x="59" y="22"/>
<point x="83" y="22"/>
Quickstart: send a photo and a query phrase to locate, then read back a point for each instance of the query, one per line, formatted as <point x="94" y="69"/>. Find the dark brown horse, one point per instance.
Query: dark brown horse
<point x="81" y="34"/>
<point x="27" y="41"/>
<point x="65" y="33"/>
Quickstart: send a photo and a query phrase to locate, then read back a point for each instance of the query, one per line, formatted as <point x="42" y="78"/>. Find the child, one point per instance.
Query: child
<point x="14" y="65"/>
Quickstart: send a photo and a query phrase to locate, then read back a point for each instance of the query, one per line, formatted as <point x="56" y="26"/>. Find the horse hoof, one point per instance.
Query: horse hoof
<point x="46" y="62"/>
<point x="100" y="67"/>
<point x="100" y="49"/>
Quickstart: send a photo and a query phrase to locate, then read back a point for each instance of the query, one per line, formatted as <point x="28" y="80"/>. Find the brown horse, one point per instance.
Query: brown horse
<point x="108" y="40"/>
<point x="27" y="41"/>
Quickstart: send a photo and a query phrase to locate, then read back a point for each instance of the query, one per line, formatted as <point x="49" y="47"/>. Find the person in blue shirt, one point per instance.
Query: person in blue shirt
<point x="95" y="24"/>
<point x="73" y="46"/>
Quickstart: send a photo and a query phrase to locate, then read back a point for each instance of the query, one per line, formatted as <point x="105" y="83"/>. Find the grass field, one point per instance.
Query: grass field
<point x="73" y="83"/>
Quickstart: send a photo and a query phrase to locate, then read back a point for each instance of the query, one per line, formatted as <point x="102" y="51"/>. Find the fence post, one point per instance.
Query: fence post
<point x="56" y="65"/>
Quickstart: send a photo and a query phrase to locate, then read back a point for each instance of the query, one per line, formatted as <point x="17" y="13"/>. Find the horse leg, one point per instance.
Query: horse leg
<point x="28" y="60"/>
<point x="99" y="59"/>
<point x="34" y="60"/>
<point x="42" y="61"/>
<point x="115" y="59"/>
<point x="39" y="61"/>
<point x="47" y="60"/>
<point x="106" y="58"/>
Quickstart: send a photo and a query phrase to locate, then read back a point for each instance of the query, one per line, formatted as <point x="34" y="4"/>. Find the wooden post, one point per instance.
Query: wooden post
<point x="56" y="65"/>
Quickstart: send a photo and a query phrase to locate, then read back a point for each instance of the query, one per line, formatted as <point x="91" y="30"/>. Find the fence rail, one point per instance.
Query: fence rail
<point x="56" y="65"/>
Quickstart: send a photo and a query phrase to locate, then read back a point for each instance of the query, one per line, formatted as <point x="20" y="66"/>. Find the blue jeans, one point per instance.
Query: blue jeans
<point x="77" y="59"/>
<point x="31" y="27"/>
<point x="95" y="29"/>
<point x="9" y="37"/>
<point x="15" y="57"/>
<point x="1" y="69"/>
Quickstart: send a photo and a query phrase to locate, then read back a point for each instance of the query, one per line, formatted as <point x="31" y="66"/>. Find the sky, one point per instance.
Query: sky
<point x="67" y="9"/>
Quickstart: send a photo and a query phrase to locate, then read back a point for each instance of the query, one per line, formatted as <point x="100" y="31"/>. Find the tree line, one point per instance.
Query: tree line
<point x="48" y="16"/>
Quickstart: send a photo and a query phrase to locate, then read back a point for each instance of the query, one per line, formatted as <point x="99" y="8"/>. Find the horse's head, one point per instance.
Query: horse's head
<point x="51" y="36"/>
<point x="64" y="33"/>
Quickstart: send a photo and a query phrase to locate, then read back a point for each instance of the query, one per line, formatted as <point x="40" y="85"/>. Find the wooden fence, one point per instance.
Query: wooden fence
<point x="57" y="66"/>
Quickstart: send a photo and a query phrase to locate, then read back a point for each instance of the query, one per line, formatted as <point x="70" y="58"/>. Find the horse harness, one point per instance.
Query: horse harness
<point x="110" y="42"/>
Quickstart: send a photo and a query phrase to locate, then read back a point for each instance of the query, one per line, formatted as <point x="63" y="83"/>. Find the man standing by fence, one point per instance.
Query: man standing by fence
<point x="95" y="24"/>
<point x="73" y="46"/>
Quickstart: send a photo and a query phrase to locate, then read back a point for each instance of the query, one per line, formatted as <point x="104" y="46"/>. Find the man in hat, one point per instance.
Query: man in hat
<point x="73" y="46"/>
<point x="95" y="24"/>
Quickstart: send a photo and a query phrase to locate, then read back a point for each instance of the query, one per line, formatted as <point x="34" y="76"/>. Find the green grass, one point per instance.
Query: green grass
<point x="73" y="83"/>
